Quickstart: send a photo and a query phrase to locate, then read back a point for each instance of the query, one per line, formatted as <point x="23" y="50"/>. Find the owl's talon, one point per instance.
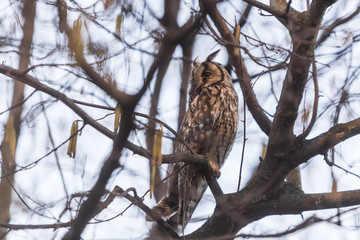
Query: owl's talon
<point x="216" y="173"/>
<point x="215" y="170"/>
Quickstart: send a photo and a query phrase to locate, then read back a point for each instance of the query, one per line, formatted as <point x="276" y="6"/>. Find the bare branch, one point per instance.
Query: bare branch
<point x="35" y="226"/>
<point x="338" y="133"/>
<point x="307" y="222"/>
<point x="267" y="8"/>
<point x="329" y="29"/>
<point x="29" y="80"/>
<point x="295" y="203"/>
<point x="245" y="15"/>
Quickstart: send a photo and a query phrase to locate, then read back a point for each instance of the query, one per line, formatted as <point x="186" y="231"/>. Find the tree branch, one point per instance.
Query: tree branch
<point x="297" y="203"/>
<point x="325" y="141"/>
<point x="267" y="8"/>
<point x="329" y="29"/>
<point x="29" y="80"/>
<point x="303" y="29"/>
<point x="35" y="226"/>
<point x="287" y="201"/>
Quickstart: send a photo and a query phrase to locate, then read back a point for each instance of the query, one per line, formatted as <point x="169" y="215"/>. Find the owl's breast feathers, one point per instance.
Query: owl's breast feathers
<point x="211" y="121"/>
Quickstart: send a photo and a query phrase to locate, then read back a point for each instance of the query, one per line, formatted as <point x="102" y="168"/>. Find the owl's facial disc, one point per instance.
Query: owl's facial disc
<point x="210" y="73"/>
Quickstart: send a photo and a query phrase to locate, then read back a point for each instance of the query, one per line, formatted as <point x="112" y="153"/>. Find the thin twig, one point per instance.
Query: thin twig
<point x="316" y="103"/>
<point x="18" y="104"/>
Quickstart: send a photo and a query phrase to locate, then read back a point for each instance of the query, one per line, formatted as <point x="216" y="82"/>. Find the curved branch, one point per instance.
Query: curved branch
<point x="305" y="223"/>
<point x="316" y="103"/>
<point x="325" y="141"/>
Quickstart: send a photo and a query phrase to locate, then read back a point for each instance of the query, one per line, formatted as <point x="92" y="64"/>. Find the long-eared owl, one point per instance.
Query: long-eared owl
<point x="209" y="127"/>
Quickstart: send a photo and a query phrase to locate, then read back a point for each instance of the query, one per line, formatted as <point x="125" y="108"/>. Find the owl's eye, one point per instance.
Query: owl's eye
<point x="207" y="74"/>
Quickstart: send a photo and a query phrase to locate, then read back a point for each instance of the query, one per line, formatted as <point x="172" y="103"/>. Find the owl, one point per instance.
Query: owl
<point x="209" y="128"/>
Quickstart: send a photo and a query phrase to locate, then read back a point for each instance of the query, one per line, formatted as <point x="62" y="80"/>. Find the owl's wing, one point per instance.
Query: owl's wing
<point x="198" y="131"/>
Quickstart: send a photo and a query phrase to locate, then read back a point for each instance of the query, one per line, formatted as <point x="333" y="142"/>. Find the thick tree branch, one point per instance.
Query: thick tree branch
<point x="171" y="10"/>
<point x="287" y="201"/>
<point x="244" y="17"/>
<point x="298" y="203"/>
<point x="267" y="8"/>
<point x="303" y="28"/>
<point x="317" y="9"/>
<point x="322" y="143"/>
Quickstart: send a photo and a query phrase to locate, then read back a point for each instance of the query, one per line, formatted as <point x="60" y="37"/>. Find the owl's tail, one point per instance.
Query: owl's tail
<point x="166" y="208"/>
<point x="190" y="198"/>
<point x="178" y="207"/>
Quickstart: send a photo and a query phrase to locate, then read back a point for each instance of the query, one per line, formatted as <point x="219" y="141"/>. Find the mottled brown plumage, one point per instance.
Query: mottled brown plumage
<point x="209" y="127"/>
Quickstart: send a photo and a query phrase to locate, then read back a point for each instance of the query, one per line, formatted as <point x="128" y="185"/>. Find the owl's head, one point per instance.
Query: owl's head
<point x="208" y="73"/>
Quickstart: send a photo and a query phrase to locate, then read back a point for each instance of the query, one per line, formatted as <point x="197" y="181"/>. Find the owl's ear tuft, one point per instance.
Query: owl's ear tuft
<point x="212" y="55"/>
<point x="196" y="61"/>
